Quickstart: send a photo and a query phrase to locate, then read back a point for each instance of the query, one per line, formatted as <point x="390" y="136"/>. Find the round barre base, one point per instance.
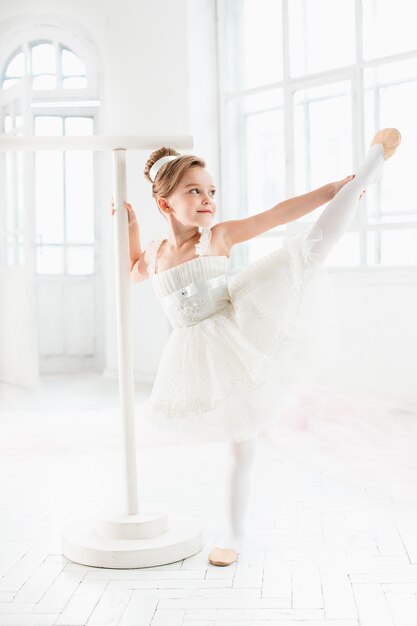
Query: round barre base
<point x="141" y="526"/>
<point x="82" y="544"/>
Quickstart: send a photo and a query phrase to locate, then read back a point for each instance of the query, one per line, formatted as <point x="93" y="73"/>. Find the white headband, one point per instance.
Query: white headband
<point x="158" y="164"/>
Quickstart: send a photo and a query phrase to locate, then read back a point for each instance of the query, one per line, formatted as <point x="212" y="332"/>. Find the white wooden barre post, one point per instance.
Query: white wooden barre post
<point x="124" y="327"/>
<point x="130" y="539"/>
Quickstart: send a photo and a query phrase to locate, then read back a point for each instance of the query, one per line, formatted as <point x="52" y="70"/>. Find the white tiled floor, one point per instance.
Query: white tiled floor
<point x="317" y="552"/>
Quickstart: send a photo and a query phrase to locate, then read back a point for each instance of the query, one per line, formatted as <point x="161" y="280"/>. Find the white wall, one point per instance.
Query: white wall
<point x="377" y="313"/>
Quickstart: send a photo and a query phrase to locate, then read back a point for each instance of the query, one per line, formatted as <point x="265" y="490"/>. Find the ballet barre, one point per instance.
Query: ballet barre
<point x="133" y="538"/>
<point x="93" y="142"/>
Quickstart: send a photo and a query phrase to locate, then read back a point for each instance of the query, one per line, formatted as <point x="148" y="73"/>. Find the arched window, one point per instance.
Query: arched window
<point x="48" y="86"/>
<point x="48" y="65"/>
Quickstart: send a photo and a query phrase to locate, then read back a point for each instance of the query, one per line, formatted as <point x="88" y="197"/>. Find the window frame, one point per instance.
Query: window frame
<point x="289" y="85"/>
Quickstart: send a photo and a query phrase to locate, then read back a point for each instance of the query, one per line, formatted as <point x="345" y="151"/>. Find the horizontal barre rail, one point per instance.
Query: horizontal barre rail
<point x="94" y="142"/>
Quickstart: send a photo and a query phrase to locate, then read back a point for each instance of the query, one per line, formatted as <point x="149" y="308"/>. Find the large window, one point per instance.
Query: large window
<point x="48" y="90"/>
<point x="304" y="86"/>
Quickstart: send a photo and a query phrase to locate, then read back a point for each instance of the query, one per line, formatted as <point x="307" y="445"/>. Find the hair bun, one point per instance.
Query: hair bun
<point x="155" y="156"/>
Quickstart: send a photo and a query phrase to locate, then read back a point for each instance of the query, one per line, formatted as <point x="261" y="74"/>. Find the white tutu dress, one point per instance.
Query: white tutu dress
<point x="238" y="343"/>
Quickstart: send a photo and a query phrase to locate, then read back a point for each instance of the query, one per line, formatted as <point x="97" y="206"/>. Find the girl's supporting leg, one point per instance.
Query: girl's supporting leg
<point x="337" y="215"/>
<point x="243" y="453"/>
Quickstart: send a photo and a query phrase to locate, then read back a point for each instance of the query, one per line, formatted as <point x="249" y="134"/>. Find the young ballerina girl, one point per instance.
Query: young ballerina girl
<point x="230" y="356"/>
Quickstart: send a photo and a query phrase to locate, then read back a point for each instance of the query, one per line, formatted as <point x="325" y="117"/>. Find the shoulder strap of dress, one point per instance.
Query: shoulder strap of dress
<point x="153" y="251"/>
<point x="203" y="245"/>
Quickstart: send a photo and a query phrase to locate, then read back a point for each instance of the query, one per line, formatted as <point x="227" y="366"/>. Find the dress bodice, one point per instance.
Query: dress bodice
<point x="193" y="290"/>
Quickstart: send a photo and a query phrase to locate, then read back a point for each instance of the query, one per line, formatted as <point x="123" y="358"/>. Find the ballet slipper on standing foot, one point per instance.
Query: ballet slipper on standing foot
<point x="222" y="556"/>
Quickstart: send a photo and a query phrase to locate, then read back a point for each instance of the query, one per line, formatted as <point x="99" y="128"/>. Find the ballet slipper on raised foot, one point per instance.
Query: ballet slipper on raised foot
<point x="390" y="138"/>
<point x="223" y="556"/>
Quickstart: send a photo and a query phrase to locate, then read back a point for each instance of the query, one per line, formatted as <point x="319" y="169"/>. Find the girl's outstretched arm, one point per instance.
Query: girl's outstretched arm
<point x="238" y="230"/>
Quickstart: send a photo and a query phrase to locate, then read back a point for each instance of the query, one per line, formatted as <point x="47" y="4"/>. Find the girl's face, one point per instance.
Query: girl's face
<point x="192" y="203"/>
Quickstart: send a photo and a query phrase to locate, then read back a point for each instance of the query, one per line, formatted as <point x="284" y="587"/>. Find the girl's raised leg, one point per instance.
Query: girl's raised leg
<point x="337" y="215"/>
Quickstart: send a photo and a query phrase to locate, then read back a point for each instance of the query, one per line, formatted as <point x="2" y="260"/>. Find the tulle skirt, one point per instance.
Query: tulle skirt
<point x="231" y="376"/>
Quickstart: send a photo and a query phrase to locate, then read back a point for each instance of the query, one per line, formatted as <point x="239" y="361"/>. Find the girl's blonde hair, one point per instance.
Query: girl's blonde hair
<point x="170" y="174"/>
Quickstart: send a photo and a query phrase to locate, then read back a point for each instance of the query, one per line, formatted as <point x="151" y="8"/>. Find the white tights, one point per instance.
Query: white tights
<point x="243" y="456"/>
<point x="337" y="215"/>
<point x="333" y="222"/>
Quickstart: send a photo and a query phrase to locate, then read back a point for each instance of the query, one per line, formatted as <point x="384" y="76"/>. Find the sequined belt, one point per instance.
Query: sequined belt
<point x="196" y="301"/>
